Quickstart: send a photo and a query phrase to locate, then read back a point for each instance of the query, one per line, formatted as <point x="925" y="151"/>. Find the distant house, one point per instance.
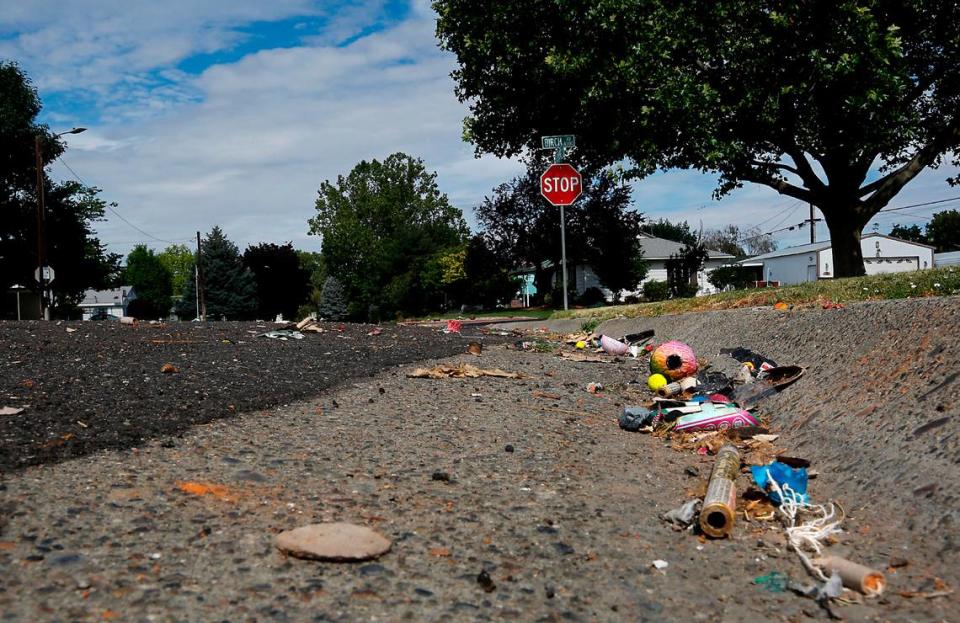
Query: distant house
<point x="810" y="262"/>
<point x="951" y="258"/>
<point x="656" y="252"/>
<point x="113" y="302"/>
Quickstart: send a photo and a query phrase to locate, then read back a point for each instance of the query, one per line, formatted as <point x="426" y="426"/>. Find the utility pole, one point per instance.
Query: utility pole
<point x="813" y="225"/>
<point x="41" y="233"/>
<point x="201" y="282"/>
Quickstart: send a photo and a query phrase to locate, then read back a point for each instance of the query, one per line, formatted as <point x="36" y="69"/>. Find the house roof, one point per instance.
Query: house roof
<point x="946" y="259"/>
<point x="661" y="249"/>
<point x="99" y="298"/>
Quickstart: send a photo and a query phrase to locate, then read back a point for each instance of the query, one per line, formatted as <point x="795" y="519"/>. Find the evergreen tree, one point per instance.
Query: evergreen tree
<point x="282" y="284"/>
<point x="333" y="300"/>
<point x="152" y="283"/>
<point x="229" y="288"/>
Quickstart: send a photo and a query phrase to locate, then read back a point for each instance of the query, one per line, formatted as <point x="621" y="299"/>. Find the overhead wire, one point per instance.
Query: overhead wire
<point x="117" y="214"/>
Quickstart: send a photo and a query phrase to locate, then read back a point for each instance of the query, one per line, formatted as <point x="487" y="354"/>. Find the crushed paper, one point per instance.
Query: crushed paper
<point x="463" y="370"/>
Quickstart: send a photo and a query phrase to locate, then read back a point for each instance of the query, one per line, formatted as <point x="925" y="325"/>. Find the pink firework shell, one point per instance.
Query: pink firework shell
<point x="612" y="346"/>
<point x="715" y="417"/>
<point x="675" y="360"/>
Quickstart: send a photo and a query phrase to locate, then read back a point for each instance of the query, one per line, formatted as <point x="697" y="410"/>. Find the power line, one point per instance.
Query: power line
<point x="920" y="205"/>
<point x="117" y="214"/>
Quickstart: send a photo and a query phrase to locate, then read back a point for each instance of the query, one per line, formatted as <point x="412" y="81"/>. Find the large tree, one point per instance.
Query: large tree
<point x="668" y="230"/>
<point x="601" y="230"/>
<point x="151" y="282"/>
<point x="943" y="231"/>
<point x="179" y="261"/>
<point x="809" y="97"/>
<point x="229" y="288"/>
<point x="381" y="224"/>
<point x="282" y="284"/>
<point x="78" y="258"/>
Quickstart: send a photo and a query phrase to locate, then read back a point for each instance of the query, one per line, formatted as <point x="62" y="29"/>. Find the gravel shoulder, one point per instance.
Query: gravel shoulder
<point x="529" y="480"/>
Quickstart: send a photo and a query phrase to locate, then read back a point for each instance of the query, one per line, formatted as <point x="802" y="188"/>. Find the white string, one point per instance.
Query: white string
<point x="809" y="534"/>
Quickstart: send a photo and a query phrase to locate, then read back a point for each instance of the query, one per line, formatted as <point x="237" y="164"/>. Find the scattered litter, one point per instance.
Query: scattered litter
<point x="10" y="410"/>
<point x="766" y="476"/>
<point x="660" y="564"/>
<point x="656" y="381"/>
<point x="774" y="582"/>
<point x="634" y="418"/>
<point x="168" y="368"/>
<point x="594" y="388"/>
<point x="716" y="416"/>
<point x="463" y="370"/>
<point x="375" y="331"/>
<point x="684" y="515"/>
<point x="938" y="587"/>
<point x="310" y="324"/>
<point x="453" y="326"/>
<point x="675" y="360"/>
<point x="335" y="542"/>
<point x="854" y="576"/>
<point x="781" y="306"/>
<point x="475" y="348"/>
<point x="613" y="347"/>
<point x="128" y="320"/>
<point x="283" y="334"/>
<point x="720" y="502"/>
<point x="221" y="492"/>
<point x="642" y="336"/>
<point x="580" y="345"/>
<point x="71" y="330"/>
<point x="744" y="355"/>
<point x="485" y="581"/>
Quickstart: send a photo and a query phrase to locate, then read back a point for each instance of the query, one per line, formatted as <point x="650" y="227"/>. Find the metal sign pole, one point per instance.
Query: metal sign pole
<point x="558" y="157"/>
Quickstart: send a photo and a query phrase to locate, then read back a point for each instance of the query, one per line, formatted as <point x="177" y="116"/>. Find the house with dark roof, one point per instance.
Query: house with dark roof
<point x="113" y="302"/>
<point x="810" y="262"/>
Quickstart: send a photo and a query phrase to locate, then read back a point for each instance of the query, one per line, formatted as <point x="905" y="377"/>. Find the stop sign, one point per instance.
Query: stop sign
<point x="561" y="184"/>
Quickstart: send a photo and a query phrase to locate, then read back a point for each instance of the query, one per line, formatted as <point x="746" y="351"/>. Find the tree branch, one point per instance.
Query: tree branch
<point x="885" y="188"/>
<point x="804" y="170"/>
<point x="775" y="165"/>
<point x="781" y="186"/>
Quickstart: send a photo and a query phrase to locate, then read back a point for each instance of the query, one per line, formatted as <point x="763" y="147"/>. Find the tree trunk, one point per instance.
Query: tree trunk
<point x="845" y="230"/>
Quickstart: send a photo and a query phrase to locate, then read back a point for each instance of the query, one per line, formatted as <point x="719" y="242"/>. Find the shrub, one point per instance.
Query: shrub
<point x="654" y="290"/>
<point x="592" y="296"/>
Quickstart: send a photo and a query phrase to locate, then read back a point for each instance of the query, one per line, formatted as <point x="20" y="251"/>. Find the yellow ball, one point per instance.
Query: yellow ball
<point x="581" y="345"/>
<point x="656" y="381"/>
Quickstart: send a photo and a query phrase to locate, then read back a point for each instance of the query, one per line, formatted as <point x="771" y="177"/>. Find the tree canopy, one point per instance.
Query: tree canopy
<point x="381" y="224"/>
<point x="664" y="228"/>
<point x="179" y="261"/>
<point x="151" y="282"/>
<point x="601" y="230"/>
<point x="78" y="258"/>
<point x="229" y="288"/>
<point x="942" y="232"/>
<point x="282" y="284"/>
<point x="808" y="98"/>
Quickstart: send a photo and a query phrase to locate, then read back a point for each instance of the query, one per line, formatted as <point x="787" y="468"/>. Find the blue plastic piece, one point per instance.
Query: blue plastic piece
<point x="783" y="474"/>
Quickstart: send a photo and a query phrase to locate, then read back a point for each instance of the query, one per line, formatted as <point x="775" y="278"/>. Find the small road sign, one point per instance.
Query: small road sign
<point x="561" y="184"/>
<point x="560" y="140"/>
<point x="48" y="274"/>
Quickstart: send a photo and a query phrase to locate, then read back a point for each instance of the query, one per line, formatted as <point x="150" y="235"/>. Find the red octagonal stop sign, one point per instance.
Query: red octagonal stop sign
<point x="561" y="184"/>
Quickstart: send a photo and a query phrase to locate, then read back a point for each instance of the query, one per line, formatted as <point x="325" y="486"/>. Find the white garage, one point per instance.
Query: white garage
<point x="809" y="262"/>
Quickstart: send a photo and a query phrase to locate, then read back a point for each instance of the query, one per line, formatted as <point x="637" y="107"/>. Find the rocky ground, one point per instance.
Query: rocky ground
<point x="528" y="480"/>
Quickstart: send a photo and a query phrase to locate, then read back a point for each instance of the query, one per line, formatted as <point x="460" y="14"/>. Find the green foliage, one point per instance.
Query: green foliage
<point x="589" y="325"/>
<point x="677" y="232"/>
<point x="487" y="275"/>
<point x="520" y="227"/>
<point x="179" y="260"/>
<point x="943" y="231"/>
<point x="654" y="290"/>
<point x="282" y="283"/>
<point x="152" y="283"/>
<point x="802" y="97"/>
<point x="333" y="300"/>
<point x="592" y="297"/>
<point x="72" y="249"/>
<point x="229" y="288"/>
<point x="735" y="277"/>
<point x="912" y="233"/>
<point x="381" y="225"/>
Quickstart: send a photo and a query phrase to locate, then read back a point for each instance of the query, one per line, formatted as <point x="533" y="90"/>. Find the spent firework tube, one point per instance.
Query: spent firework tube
<point x="720" y="503"/>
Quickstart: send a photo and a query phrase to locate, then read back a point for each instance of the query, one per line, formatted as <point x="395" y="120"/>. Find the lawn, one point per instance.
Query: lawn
<point x="937" y="282"/>
<point x="533" y="313"/>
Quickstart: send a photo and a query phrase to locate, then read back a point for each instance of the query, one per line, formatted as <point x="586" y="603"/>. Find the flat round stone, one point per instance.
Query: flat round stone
<point x="333" y="542"/>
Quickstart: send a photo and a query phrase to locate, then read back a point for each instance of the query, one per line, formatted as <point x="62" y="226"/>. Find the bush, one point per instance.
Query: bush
<point x="654" y="290"/>
<point x="592" y="296"/>
<point x="738" y="277"/>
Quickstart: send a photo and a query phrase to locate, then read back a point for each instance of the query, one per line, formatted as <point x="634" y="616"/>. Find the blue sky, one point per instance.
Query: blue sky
<point x="232" y="112"/>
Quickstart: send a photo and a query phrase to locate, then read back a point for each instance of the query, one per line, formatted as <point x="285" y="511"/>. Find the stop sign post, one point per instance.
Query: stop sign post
<point x="561" y="185"/>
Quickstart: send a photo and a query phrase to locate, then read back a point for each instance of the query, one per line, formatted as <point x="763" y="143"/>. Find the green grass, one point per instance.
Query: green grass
<point x="937" y="282"/>
<point x="537" y="314"/>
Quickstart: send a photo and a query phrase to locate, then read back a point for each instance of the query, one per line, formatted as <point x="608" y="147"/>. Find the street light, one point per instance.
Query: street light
<point x="41" y="220"/>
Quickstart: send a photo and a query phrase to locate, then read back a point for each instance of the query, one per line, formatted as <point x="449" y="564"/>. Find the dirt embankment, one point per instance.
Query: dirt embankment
<point x="877" y="410"/>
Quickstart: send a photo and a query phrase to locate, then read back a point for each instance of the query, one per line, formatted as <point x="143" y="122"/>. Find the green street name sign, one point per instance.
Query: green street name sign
<point x="559" y="141"/>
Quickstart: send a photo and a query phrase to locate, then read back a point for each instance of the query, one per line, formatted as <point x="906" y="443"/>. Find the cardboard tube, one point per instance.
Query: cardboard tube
<point x="854" y="576"/>
<point x="720" y="503"/>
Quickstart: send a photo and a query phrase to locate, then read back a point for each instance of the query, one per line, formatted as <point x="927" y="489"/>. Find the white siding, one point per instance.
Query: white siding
<point x="789" y="269"/>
